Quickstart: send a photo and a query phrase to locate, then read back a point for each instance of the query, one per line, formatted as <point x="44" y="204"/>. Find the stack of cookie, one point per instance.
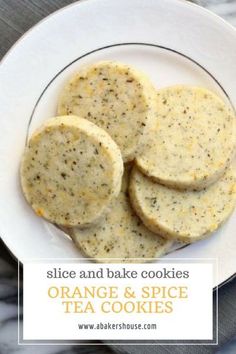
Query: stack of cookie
<point x="176" y="144"/>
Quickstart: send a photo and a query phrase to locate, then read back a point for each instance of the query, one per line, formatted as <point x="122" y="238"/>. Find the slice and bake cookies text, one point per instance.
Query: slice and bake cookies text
<point x="70" y="171"/>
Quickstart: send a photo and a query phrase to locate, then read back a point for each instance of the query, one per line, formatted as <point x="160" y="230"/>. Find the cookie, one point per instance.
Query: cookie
<point x="115" y="97"/>
<point x="121" y="234"/>
<point x="70" y="172"/>
<point x="185" y="216"/>
<point x="192" y="141"/>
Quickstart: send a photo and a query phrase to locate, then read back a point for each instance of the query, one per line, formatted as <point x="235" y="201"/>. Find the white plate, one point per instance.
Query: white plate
<point x="172" y="41"/>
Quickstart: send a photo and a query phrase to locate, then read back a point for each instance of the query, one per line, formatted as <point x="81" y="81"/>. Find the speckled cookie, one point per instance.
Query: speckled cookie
<point x="183" y="215"/>
<point x="115" y="97"/>
<point x="70" y="171"/>
<point x="121" y="234"/>
<point x="193" y="139"/>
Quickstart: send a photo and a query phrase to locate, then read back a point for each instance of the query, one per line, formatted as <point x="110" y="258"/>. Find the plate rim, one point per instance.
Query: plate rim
<point x="79" y="2"/>
<point x="207" y="12"/>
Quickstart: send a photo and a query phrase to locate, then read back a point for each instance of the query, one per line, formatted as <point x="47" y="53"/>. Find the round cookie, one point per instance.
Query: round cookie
<point x="183" y="215"/>
<point x="70" y="171"/>
<point x="192" y="140"/>
<point x="115" y="97"/>
<point x="121" y="234"/>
